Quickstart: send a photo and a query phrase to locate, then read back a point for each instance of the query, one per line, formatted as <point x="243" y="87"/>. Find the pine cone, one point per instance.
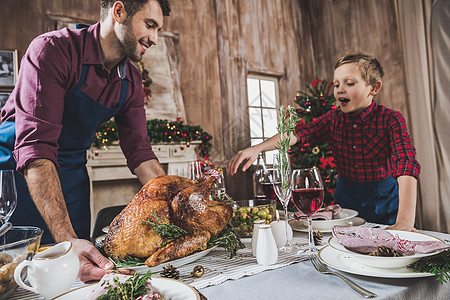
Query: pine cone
<point x="317" y="236"/>
<point x="170" y="272"/>
<point x="385" y="251"/>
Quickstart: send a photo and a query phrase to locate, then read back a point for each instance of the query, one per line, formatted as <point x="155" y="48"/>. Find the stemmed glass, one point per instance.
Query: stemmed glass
<point x="195" y="170"/>
<point x="307" y="195"/>
<point x="282" y="184"/>
<point x="8" y="198"/>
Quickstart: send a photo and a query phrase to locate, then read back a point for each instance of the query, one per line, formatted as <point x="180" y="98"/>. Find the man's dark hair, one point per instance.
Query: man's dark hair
<point x="132" y="6"/>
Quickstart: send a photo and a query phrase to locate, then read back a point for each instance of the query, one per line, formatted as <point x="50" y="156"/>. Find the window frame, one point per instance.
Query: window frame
<point x="259" y="77"/>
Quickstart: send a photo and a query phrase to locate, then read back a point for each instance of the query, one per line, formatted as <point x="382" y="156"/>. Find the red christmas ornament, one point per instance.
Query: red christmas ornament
<point x="315" y="82"/>
<point x="329" y="161"/>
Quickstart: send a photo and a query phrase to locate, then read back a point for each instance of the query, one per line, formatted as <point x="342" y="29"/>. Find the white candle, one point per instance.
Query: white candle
<point x="279" y="232"/>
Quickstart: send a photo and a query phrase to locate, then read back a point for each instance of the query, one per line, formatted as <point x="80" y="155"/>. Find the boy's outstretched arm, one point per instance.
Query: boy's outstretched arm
<point x="407" y="194"/>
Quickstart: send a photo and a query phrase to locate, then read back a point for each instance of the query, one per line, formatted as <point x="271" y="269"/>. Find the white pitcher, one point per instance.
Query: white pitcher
<point x="51" y="272"/>
<point x="266" y="248"/>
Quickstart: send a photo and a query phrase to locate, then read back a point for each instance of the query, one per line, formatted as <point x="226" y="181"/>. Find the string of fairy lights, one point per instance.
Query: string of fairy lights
<point x="159" y="131"/>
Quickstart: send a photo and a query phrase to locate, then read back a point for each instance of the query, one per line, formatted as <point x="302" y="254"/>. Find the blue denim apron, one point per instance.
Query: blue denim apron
<point x="375" y="201"/>
<point x="81" y="117"/>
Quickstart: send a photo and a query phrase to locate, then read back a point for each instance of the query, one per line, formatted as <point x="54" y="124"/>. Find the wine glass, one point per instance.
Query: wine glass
<point x="307" y="195"/>
<point x="282" y="185"/>
<point x="218" y="190"/>
<point x="8" y="196"/>
<point x="195" y="170"/>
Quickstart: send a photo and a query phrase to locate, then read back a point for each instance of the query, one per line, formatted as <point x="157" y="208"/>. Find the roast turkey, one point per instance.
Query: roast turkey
<point x="173" y="200"/>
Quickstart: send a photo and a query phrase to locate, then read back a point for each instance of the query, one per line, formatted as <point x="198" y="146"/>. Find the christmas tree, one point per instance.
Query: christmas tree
<point x="316" y="101"/>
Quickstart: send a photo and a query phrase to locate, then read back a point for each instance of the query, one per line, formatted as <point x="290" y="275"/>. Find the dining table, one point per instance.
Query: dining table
<point x="292" y="277"/>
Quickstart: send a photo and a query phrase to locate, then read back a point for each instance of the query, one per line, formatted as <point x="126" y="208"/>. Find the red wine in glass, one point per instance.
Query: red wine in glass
<point x="308" y="200"/>
<point x="268" y="190"/>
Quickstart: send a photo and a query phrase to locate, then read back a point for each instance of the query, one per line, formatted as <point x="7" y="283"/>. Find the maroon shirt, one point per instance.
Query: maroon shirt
<point x="368" y="146"/>
<point x="50" y="68"/>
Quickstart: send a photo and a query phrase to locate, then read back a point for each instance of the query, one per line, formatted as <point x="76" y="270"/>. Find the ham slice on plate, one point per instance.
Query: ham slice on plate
<point x="366" y="240"/>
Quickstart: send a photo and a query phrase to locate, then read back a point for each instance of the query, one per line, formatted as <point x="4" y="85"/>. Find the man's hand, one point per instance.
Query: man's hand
<point x="93" y="265"/>
<point x="148" y="170"/>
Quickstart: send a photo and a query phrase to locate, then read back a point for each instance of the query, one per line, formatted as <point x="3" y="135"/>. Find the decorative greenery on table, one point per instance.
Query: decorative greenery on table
<point x="160" y="131"/>
<point x="286" y="125"/>
<point x="438" y="265"/>
<point x="316" y="101"/>
<point x="133" y="288"/>
<point x="228" y="240"/>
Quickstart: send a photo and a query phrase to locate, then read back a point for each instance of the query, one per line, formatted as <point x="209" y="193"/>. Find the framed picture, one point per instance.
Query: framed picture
<point x="3" y="98"/>
<point x="8" y="68"/>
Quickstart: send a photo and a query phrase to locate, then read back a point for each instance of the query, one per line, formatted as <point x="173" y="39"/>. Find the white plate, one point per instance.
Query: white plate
<point x="170" y="289"/>
<point x="343" y="262"/>
<point x="176" y="263"/>
<point x="300" y="226"/>
<point x="388" y="262"/>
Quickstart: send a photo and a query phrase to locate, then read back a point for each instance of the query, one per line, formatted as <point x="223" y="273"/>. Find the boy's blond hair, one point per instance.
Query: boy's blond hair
<point x="370" y="68"/>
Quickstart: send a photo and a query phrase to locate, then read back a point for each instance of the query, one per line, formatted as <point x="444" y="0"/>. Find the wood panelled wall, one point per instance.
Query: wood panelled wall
<point x="23" y="20"/>
<point x="221" y="41"/>
<point x="329" y="29"/>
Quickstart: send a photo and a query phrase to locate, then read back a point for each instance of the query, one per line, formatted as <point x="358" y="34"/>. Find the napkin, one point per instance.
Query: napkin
<point x="327" y="214"/>
<point x="366" y="240"/>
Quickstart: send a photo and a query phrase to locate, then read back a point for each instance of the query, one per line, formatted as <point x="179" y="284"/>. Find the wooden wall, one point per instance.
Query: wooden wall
<point x="23" y="20"/>
<point x="220" y="41"/>
<point x="296" y="40"/>
<point x="329" y="29"/>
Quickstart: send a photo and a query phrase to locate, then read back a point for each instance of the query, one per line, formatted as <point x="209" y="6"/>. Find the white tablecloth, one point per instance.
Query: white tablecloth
<point x="242" y="278"/>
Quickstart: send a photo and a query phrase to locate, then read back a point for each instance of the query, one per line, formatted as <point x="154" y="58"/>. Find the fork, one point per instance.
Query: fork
<point x="322" y="268"/>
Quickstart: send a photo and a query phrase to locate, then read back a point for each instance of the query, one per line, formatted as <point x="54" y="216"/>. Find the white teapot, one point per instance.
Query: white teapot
<point x="51" y="272"/>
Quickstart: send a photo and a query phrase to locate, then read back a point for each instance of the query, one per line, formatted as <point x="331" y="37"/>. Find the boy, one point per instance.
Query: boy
<point x="373" y="151"/>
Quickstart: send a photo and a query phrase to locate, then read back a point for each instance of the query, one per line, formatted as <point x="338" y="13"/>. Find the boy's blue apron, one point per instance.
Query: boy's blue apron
<point x="82" y="115"/>
<point x="375" y="201"/>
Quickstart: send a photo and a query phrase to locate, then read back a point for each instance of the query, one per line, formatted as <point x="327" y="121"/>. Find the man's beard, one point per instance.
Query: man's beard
<point x="129" y="43"/>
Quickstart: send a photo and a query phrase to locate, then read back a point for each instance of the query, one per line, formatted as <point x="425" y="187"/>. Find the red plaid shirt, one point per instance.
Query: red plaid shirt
<point x="367" y="146"/>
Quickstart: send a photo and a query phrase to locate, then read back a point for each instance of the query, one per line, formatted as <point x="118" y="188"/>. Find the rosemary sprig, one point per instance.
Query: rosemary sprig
<point x="438" y="265"/>
<point x="128" y="262"/>
<point x="288" y="118"/>
<point x="132" y="288"/>
<point x="165" y="230"/>
<point x="227" y="239"/>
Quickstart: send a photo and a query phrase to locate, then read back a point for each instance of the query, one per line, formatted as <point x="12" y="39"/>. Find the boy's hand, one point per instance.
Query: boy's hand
<point x="403" y="227"/>
<point x="249" y="155"/>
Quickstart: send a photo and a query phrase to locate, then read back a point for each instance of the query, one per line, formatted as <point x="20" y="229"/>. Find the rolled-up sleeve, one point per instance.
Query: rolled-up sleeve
<point x="39" y="96"/>
<point x="403" y="151"/>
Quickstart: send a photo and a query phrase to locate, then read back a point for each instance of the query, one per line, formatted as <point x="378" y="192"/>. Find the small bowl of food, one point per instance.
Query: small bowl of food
<point x="245" y="212"/>
<point x="16" y="245"/>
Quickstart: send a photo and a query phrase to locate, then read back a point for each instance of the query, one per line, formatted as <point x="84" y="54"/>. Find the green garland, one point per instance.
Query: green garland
<point x="159" y="131"/>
